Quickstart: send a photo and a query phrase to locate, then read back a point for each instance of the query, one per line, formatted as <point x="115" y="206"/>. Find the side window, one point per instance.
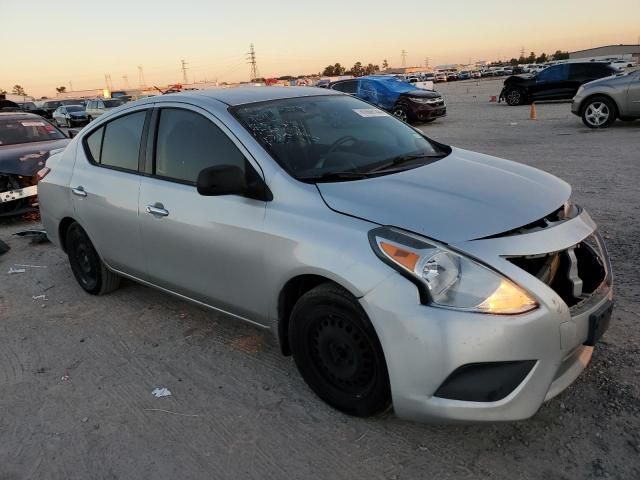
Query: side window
<point x="580" y="71"/>
<point x="554" y="74"/>
<point x="350" y="86"/>
<point x="94" y="144"/>
<point x="121" y="141"/>
<point x="187" y="143"/>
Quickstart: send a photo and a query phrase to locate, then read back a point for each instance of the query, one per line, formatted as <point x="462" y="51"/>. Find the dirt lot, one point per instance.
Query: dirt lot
<point x="76" y="372"/>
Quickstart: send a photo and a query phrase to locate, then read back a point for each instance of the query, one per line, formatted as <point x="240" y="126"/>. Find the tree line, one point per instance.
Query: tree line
<point x="542" y="58"/>
<point x="358" y="69"/>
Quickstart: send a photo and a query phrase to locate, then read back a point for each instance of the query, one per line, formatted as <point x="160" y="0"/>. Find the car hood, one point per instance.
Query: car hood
<point x="519" y="79"/>
<point x="461" y="197"/>
<point x="422" y="93"/>
<point x="27" y="158"/>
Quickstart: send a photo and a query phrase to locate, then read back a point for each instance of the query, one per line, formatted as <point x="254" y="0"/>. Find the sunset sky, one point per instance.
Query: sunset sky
<point x="46" y="44"/>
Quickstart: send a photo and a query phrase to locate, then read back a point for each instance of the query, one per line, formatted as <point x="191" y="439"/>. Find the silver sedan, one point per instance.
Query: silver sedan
<point x="398" y="271"/>
<point x="601" y="102"/>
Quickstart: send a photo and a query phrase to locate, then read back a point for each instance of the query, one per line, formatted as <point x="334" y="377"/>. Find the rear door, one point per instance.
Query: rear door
<point x="208" y="248"/>
<point x="552" y="83"/>
<point x="105" y="187"/>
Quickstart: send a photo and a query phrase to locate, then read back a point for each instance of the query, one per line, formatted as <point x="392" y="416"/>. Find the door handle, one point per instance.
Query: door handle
<point x="79" y="191"/>
<point x="158" y="210"/>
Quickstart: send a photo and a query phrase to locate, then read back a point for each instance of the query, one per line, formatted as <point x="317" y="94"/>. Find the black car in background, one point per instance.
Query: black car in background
<point x="26" y="141"/>
<point x="557" y="82"/>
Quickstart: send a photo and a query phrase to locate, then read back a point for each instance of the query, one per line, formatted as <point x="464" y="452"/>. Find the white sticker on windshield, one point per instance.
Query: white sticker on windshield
<point x="369" y="112"/>
<point x="32" y="124"/>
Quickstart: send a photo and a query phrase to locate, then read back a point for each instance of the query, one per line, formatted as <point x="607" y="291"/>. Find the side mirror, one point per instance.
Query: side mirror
<point x="222" y="180"/>
<point x="73" y="132"/>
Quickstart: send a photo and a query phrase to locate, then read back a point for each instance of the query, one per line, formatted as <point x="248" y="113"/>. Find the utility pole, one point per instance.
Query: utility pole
<point x="404" y="57"/>
<point x="126" y="81"/>
<point x="251" y="57"/>
<point x="70" y="86"/>
<point x="141" y="82"/>
<point x="184" y="71"/>
<point x="426" y="62"/>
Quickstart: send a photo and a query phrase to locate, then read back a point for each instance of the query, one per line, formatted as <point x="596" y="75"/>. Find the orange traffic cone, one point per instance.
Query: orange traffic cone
<point x="533" y="115"/>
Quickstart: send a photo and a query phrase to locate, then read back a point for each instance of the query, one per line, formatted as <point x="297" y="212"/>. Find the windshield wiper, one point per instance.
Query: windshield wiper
<point x="399" y="160"/>
<point x="330" y="176"/>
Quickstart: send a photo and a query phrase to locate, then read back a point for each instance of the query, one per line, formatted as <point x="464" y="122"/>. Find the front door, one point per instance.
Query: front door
<point x="105" y="186"/>
<point x="210" y="249"/>
<point x="633" y="95"/>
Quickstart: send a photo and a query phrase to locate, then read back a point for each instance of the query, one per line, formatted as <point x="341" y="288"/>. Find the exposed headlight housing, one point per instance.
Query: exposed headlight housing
<point x="428" y="101"/>
<point x="446" y="278"/>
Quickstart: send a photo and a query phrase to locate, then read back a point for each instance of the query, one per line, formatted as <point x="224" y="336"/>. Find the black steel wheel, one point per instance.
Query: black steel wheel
<point x="338" y="353"/>
<point x="86" y="265"/>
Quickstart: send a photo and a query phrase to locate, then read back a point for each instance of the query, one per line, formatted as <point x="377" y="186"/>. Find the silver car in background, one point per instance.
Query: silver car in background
<point x="395" y="269"/>
<point x="601" y="102"/>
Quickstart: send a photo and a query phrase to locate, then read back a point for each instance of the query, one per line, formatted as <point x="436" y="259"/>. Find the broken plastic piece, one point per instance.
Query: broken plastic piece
<point x="16" y="270"/>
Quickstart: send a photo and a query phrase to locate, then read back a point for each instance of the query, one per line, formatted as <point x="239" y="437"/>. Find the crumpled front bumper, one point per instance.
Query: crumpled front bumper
<point x="424" y="345"/>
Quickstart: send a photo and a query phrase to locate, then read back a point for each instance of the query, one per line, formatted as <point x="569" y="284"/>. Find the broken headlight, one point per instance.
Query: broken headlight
<point x="447" y="278"/>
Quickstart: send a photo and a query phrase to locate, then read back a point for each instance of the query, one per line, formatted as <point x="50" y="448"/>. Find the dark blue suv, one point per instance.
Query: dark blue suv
<point x="408" y="103"/>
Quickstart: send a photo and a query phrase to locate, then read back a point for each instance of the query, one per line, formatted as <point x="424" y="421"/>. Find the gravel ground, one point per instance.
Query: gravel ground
<point x="76" y="371"/>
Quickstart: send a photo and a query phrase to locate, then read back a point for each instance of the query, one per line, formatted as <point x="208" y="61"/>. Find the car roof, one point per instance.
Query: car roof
<point x="243" y="95"/>
<point x="19" y="116"/>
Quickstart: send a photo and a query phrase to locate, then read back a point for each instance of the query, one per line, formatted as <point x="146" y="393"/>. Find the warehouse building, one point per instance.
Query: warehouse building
<point x="609" y="52"/>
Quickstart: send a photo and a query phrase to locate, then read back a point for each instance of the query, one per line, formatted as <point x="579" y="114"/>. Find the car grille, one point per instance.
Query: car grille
<point x="575" y="273"/>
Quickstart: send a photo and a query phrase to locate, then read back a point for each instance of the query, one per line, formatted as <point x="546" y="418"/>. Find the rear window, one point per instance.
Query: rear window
<point x="27" y="131"/>
<point x="113" y="103"/>
<point x="117" y="144"/>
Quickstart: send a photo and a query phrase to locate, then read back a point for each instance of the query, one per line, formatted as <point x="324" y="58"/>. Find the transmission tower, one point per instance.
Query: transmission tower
<point x="107" y="81"/>
<point x="426" y="62"/>
<point x="141" y="82"/>
<point x="125" y="78"/>
<point x="251" y="57"/>
<point x="522" y="52"/>
<point x="184" y="71"/>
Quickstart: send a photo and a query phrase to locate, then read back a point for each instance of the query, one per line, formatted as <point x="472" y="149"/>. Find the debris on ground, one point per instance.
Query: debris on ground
<point x="15" y="270"/>
<point x="161" y="392"/>
<point x="39" y="297"/>
<point x="4" y="248"/>
<point x="36" y="235"/>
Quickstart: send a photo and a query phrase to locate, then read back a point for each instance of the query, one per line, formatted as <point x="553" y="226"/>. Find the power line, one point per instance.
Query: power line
<point x="404" y="57"/>
<point x="251" y="57"/>
<point x="184" y="71"/>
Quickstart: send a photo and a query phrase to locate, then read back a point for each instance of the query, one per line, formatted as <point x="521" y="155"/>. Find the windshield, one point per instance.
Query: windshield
<point x="313" y="137"/>
<point x="27" y="131"/>
<point x="75" y="108"/>
<point x="113" y="103"/>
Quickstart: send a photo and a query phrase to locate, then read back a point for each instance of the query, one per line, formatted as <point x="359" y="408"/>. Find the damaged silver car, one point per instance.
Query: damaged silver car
<point x="26" y="141"/>
<point x="396" y="270"/>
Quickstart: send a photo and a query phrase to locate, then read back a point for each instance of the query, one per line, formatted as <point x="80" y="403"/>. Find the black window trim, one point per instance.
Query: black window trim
<point x="141" y="147"/>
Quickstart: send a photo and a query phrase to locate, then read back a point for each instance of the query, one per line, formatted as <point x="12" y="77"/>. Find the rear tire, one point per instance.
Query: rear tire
<point x="338" y="353"/>
<point x="514" y="97"/>
<point x="599" y="112"/>
<point x="86" y="265"/>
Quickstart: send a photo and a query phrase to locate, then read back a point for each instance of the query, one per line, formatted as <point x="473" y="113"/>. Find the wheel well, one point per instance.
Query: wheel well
<point x="602" y="95"/>
<point x="289" y="295"/>
<point x="62" y="231"/>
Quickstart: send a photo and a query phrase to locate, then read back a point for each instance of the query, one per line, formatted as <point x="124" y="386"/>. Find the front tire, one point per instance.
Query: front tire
<point x="401" y="112"/>
<point x="514" y="97"/>
<point x="338" y="353"/>
<point x="86" y="265"/>
<point x="599" y="112"/>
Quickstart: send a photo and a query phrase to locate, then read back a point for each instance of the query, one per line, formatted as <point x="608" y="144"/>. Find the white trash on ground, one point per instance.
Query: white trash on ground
<point x="161" y="392"/>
